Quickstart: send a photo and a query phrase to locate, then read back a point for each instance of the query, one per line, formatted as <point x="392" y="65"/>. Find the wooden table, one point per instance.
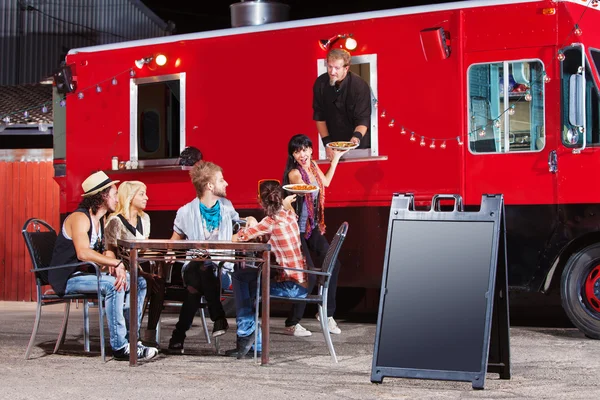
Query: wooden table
<point x="137" y="251"/>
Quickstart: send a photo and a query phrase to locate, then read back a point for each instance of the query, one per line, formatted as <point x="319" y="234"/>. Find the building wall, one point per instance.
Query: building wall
<point x="27" y="190"/>
<point x="34" y="41"/>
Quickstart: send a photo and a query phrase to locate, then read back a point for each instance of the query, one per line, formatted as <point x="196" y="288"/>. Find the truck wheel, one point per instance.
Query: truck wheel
<point x="580" y="290"/>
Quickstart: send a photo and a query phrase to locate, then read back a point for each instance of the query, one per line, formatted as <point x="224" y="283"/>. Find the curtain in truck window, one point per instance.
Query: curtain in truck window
<point x="506" y="107"/>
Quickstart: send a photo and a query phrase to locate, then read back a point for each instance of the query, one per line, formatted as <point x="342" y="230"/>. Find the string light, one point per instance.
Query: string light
<point x="561" y="56"/>
<point x="511" y="110"/>
<point x="528" y="96"/>
<point x="577" y="31"/>
<point x="62" y="102"/>
<point x="460" y="142"/>
<point x="423" y="139"/>
<point x="482" y="132"/>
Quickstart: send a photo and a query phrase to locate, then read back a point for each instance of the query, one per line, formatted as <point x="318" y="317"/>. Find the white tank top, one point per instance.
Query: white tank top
<point x="96" y="236"/>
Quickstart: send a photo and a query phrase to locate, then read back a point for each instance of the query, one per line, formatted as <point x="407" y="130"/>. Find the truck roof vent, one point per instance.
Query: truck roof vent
<point x="258" y="12"/>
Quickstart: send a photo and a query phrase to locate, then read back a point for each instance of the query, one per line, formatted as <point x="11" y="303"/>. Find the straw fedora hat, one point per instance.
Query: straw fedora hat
<point x="95" y="183"/>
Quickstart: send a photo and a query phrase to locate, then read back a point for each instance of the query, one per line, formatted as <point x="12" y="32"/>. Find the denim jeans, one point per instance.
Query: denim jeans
<point x="244" y="290"/>
<point x="116" y="304"/>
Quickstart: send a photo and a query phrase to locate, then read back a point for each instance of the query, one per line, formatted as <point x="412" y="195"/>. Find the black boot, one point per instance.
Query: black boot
<point x="243" y="346"/>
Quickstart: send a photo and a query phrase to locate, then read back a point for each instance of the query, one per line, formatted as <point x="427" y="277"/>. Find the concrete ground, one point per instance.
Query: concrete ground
<point x="547" y="363"/>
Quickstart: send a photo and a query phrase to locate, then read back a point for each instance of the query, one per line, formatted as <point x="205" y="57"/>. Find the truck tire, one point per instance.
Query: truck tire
<point x="580" y="290"/>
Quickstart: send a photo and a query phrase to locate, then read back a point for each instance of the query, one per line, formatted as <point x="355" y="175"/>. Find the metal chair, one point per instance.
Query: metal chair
<point x="324" y="275"/>
<point x="40" y="238"/>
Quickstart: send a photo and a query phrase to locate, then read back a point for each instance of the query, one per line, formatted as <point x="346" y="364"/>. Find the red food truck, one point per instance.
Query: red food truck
<point x="468" y="98"/>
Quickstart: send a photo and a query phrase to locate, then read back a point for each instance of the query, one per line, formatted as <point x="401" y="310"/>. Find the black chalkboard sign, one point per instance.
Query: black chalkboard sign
<point x="443" y="271"/>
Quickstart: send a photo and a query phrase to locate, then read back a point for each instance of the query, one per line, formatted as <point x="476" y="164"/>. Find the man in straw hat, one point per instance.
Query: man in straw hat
<point x="81" y="239"/>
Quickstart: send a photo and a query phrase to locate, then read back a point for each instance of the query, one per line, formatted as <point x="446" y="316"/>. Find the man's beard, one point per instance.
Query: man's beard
<point x="332" y="81"/>
<point x="220" y="193"/>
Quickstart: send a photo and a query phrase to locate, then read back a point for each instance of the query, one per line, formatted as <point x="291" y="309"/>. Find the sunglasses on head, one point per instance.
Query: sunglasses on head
<point x="263" y="182"/>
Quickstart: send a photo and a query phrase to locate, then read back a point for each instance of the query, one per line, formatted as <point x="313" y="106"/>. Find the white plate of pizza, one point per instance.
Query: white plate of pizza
<point x="301" y="188"/>
<point x="342" y="146"/>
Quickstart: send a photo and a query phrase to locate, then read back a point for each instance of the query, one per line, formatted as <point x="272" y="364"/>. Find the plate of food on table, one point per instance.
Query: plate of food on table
<point x="342" y="146"/>
<point x="301" y="188"/>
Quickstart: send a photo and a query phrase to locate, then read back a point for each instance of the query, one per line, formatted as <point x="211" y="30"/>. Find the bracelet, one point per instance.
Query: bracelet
<point x="326" y="140"/>
<point x="120" y="262"/>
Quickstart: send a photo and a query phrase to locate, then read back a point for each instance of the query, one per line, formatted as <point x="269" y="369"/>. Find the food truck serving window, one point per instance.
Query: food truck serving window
<point x="366" y="67"/>
<point x="157" y="118"/>
<point x="506" y="107"/>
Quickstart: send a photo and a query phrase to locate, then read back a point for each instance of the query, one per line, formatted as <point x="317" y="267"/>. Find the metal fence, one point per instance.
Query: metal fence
<point x="27" y="189"/>
<point x="35" y="35"/>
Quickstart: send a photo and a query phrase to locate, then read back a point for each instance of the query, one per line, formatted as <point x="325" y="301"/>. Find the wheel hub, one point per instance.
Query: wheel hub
<point x="592" y="288"/>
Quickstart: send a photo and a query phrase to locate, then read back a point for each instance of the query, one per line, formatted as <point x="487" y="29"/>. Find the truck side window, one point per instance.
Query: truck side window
<point x="571" y="136"/>
<point x="506" y="107"/>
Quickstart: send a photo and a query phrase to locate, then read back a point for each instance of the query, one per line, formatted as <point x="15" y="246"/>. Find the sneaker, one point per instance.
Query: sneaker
<point x="143" y="353"/>
<point x="333" y="326"/>
<point x="297" y="330"/>
<point x="175" y="346"/>
<point x="220" y="327"/>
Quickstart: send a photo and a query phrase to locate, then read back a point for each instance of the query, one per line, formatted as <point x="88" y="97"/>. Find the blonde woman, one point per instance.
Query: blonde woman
<point x="129" y="221"/>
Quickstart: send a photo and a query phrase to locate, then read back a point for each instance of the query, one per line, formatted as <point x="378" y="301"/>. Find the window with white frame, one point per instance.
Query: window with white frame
<point x="364" y="66"/>
<point x="157" y="117"/>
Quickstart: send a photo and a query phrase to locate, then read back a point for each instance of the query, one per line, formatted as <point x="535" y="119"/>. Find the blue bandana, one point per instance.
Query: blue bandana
<point x="211" y="216"/>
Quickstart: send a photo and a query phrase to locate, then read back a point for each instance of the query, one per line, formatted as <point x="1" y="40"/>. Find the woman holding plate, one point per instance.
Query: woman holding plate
<point x="310" y="208"/>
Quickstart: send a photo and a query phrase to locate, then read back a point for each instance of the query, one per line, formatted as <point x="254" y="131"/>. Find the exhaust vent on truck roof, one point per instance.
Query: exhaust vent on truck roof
<point x="258" y="12"/>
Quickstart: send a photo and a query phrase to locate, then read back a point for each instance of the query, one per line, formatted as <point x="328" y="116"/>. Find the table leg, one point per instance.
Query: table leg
<point x="133" y="308"/>
<point x="266" y="306"/>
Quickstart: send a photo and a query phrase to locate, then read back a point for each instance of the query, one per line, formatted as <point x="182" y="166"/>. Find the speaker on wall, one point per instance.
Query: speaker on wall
<point x="63" y="78"/>
<point x="435" y="43"/>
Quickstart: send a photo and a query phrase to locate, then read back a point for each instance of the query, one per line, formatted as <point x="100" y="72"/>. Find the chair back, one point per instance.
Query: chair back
<point x="40" y="238"/>
<point x="334" y="250"/>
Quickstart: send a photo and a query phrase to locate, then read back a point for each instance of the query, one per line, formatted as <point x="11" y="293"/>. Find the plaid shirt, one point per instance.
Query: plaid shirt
<point x="284" y="240"/>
